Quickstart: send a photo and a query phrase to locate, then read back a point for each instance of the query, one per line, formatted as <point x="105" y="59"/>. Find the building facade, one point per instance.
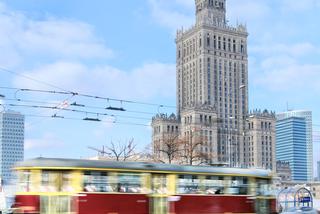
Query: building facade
<point x="199" y="129"/>
<point x="307" y="115"/>
<point x="212" y="70"/>
<point x="11" y="143"/>
<point x="260" y="143"/>
<point x="283" y="170"/>
<point x="165" y="132"/>
<point x="212" y="73"/>
<point x="291" y="145"/>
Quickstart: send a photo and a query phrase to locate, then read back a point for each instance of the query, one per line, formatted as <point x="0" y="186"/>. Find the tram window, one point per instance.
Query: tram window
<point x="96" y="181"/>
<point x="237" y="186"/>
<point x="129" y="183"/>
<point x="66" y="185"/>
<point x="159" y="184"/>
<point x="188" y="184"/>
<point x="55" y="181"/>
<point x="213" y="185"/>
<point x="264" y="187"/>
<point x="24" y="184"/>
<point x="49" y="181"/>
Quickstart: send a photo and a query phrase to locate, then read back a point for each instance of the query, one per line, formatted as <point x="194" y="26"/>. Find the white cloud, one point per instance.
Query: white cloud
<point x="294" y="78"/>
<point x="22" y="36"/>
<point x="47" y="141"/>
<point x="277" y="61"/>
<point x="148" y="81"/>
<point x="61" y="37"/>
<point x="282" y="68"/>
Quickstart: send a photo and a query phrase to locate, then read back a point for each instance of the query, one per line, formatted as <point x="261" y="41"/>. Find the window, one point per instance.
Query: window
<point x="213" y="185"/>
<point x="188" y="184"/>
<point x="129" y="182"/>
<point x="95" y="181"/>
<point x="159" y="184"/>
<point x="24" y="184"/>
<point x="264" y="187"/>
<point x="55" y="181"/>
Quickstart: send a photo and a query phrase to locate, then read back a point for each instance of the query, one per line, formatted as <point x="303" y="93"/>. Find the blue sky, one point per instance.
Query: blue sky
<point x="126" y="50"/>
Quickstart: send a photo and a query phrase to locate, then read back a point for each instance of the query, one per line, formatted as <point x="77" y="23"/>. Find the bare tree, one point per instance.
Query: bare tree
<point x="119" y="151"/>
<point x="192" y="150"/>
<point x="168" y="149"/>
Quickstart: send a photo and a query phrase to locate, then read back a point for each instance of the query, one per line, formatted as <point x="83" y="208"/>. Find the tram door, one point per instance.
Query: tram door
<point x="55" y="205"/>
<point x="159" y="197"/>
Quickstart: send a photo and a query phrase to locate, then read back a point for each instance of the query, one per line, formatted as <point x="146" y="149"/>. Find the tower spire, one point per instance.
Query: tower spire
<point x="212" y="11"/>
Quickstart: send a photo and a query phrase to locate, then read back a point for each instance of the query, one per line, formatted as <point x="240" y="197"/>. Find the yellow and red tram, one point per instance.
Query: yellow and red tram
<point x="50" y="186"/>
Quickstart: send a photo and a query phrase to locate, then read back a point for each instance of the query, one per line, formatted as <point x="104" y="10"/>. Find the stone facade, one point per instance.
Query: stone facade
<point x="164" y="128"/>
<point x="212" y="69"/>
<point x="283" y="170"/>
<point x="200" y="123"/>
<point x="259" y="146"/>
<point x="212" y="73"/>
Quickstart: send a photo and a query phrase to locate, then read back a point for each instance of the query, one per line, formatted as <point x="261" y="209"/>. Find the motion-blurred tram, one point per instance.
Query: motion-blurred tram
<point x="64" y="186"/>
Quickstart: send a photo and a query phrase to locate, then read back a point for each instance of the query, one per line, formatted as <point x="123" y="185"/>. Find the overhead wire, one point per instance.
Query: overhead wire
<point x="86" y="106"/>
<point x="65" y="92"/>
<point x="79" y="119"/>
<point x="89" y="96"/>
<point x="75" y="110"/>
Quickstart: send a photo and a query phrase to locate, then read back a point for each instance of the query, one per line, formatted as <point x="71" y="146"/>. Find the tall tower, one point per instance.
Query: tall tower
<point x="210" y="11"/>
<point x="212" y="71"/>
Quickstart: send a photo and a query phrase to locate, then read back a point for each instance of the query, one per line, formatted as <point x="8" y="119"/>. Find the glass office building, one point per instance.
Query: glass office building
<point x="307" y="115"/>
<point x="291" y="145"/>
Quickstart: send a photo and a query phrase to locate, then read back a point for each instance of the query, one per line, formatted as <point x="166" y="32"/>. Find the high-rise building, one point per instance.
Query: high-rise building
<point x="212" y="70"/>
<point x="212" y="82"/>
<point x="11" y="143"/>
<point x="291" y="145"/>
<point x="307" y="115"/>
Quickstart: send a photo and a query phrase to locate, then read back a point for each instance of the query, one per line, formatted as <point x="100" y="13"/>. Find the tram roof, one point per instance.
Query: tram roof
<point x="60" y="163"/>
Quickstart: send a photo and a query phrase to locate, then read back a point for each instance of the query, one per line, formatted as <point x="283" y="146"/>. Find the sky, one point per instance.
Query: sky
<point x="126" y="50"/>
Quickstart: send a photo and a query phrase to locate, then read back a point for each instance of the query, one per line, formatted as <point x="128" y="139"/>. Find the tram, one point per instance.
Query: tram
<point x="65" y="186"/>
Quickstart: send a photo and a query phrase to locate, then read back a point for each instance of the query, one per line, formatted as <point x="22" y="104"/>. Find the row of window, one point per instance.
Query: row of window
<point x="263" y="125"/>
<point x="99" y="181"/>
<point x="216" y="42"/>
